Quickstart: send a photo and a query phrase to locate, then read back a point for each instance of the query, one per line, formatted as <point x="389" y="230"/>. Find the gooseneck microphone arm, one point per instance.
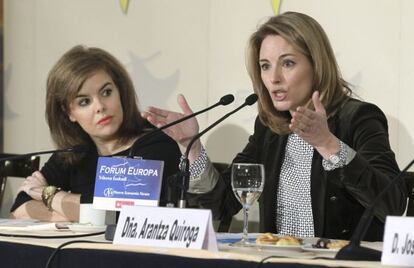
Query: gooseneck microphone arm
<point x="354" y="251"/>
<point x="251" y="99"/>
<point x="73" y="149"/>
<point x="225" y="100"/>
<point x="185" y="166"/>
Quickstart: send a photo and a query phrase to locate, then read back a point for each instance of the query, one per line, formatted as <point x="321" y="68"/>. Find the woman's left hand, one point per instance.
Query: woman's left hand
<point x="312" y="126"/>
<point x="34" y="185"/>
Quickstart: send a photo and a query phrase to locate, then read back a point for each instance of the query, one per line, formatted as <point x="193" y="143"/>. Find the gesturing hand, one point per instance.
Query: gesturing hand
<point x="182" y="132"/>
<point x="312" y="126"/>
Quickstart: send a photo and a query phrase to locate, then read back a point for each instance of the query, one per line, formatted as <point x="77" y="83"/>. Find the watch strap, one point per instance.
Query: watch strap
<point x="345" y="154"/>
<point x="48" y="194"/>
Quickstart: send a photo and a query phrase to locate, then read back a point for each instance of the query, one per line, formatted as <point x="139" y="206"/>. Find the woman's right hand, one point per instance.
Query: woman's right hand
<point x="34" y="185"/>
<point x="182" y="132"/>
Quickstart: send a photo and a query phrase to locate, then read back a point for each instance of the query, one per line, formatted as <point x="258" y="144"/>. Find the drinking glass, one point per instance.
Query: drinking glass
<point x="247" y="181"/>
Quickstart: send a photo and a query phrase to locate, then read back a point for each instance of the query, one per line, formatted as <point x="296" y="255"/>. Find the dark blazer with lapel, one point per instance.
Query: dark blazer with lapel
<point x="339" y="197"/>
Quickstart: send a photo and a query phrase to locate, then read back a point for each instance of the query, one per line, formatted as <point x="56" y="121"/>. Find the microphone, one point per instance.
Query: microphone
<point x="354" y="251"/>
<point x="185" y="167"/>
<point x="225" y="100"/>
<point x="73" y="149"/>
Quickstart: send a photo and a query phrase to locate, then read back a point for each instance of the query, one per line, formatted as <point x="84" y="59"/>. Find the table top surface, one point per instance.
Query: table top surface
<point x="304" y="254"/>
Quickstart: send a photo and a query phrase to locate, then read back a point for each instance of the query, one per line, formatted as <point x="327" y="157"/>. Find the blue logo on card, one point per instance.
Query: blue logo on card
<point x="127" y="178"/>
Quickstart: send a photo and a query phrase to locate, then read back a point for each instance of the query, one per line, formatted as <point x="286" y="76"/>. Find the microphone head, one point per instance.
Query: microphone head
<point x="251" y="99"/>
<point x="227" y="99"/>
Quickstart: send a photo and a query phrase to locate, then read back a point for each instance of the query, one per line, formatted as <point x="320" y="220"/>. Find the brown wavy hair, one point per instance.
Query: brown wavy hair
<point x="65" y="80"/>
<point x="308" y="37"/>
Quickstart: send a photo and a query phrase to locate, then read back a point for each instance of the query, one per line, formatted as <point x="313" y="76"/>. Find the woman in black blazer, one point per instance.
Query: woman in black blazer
<point x="326" y="154"/>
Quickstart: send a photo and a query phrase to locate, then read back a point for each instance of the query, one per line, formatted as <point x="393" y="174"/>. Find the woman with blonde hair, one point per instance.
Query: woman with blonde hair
<point x="326" y="155"/>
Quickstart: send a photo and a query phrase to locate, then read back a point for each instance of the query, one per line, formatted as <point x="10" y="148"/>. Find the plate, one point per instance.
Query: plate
<point x="279" y="247"/>
<point x="233" y="240"/>
<point x="268" y="246"/>
<point x="311" y="248"/>
<point x="86" y="228"/>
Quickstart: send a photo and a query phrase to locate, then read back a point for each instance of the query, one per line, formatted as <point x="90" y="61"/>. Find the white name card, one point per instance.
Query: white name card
<point x="398" y="247"/>
<point x="166" y="227"/>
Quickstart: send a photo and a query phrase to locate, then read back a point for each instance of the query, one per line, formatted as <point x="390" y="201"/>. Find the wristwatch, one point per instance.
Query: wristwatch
<point x="342" y="158"/>
<point x="48" y="194"/>
<point x="334" y="159"/>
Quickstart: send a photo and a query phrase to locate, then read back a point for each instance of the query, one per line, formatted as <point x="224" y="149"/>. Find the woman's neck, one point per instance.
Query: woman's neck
<point x="112" y="147"/>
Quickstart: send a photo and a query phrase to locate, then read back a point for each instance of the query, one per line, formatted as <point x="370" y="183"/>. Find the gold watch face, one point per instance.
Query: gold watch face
<point x="50" y="190"/>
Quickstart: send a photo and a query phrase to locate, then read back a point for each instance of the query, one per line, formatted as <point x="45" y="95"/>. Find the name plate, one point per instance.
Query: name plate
<point x="126" y="181"/>
<point x="166" y="227"/>
<point x="398" y="247"/>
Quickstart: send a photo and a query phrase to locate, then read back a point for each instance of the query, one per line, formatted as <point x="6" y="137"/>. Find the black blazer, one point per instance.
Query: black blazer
<point x="339" y="197"/>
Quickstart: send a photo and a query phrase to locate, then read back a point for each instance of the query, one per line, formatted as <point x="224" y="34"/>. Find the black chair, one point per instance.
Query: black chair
<point x="409" y="180"/>
<point x="224" y="225"/>
<point x="16" y="168"/>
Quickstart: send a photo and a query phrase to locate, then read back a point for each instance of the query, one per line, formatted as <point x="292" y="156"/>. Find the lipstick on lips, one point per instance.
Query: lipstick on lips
<point x="279" y="95"/>
<point x="104" y="121"/>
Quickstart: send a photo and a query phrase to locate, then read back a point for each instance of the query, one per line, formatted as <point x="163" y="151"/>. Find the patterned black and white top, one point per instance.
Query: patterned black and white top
<point x="294" y="207"/>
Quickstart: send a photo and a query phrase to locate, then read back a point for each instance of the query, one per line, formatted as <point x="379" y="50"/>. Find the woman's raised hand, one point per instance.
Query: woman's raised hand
<point x="312" y="126"/>
<point x="182" y="132"/>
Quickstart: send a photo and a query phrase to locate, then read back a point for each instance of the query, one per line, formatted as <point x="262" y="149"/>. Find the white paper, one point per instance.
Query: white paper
<point x="166" y="227"/>
<point x="210" y="241"/>
<point x="398" y="247"/>
<point x="19" y="225"/>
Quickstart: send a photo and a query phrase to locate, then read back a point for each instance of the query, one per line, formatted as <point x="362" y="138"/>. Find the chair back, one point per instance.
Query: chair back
<point x="20" y="168"/>
<point x="224" y="225"/>
<point x="409" y="180"/>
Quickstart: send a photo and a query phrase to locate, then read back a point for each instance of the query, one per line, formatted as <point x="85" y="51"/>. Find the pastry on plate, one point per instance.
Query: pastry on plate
<point x="337" y="244"/>
<point x="288" y="241"/>
<point x="330" y="244"/>
<point x="271" y="239"/>
<point x="267" y="239"/>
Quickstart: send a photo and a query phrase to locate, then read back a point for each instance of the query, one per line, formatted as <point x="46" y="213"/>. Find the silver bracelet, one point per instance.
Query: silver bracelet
<point x="346" y="154"/>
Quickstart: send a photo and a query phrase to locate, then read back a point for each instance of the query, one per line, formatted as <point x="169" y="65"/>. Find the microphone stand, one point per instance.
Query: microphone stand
<point x="354" y="251"/>
<point x="74" y="149"/>
<point x="185" y="166"/>
<point x="225" y="100"/>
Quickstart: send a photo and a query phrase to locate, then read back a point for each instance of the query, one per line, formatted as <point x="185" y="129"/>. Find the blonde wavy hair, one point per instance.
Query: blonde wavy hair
<point x="308" y="37"/>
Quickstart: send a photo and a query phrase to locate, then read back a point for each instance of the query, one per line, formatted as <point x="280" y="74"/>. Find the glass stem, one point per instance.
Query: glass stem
<point x="245" y="237"/>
